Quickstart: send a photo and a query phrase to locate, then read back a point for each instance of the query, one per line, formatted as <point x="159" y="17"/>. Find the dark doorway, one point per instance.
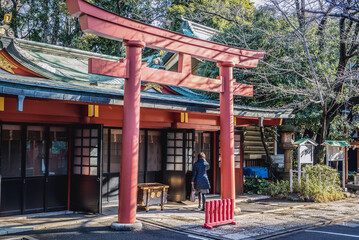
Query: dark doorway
<point x="204" y="143"/>
<point x="238" y="161"/>
<point x="34" y="160"/>
<point x="178" y="162"/>
<point x="149" y="162"/>
<point x="112" y="146"/>
<point x="217" y="163"/>
<point x="86" y="172"/>
<point x="11" y="170"/>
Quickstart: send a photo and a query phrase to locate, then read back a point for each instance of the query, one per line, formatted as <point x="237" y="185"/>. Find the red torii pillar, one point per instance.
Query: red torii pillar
<point x="102" y="23"/>
<point x="227" y="131"/>
<point x="130" y="135"/>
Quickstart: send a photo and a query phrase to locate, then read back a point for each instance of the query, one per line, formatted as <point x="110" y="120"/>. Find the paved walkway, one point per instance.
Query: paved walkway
<point x="260" y="218"/>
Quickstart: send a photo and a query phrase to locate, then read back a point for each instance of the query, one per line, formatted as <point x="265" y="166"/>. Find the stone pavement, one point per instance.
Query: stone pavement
<point x="260" y="218"/>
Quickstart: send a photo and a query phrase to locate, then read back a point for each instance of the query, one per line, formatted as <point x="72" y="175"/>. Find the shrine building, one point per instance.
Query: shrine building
<point x="61" y="128"/>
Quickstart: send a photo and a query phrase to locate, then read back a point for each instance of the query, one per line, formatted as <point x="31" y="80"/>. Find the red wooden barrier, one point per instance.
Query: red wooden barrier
<point x="219" y="212"/>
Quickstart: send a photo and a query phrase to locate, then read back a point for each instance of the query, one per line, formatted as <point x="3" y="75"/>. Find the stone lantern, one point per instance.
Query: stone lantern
<point x="287" y="144"/>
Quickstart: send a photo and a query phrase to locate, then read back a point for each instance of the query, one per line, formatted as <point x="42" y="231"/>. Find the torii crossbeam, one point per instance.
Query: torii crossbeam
<point x="136" y="36"/>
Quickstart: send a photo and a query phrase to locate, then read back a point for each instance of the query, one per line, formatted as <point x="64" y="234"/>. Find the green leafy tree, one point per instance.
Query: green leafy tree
<point x="216" y="14"/>
<point x="49" y="21"/>
<point x="311" y="62"/>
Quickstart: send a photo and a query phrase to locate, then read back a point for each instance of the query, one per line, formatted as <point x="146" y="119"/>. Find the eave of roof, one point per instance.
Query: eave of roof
<point x="305" y="140"/>
<point x="197" y="30"/>
<point x="62" y="51"/>
<point x="56" y="56"/>
<point x="43" y="88"/>
<point x="334" y="143"/>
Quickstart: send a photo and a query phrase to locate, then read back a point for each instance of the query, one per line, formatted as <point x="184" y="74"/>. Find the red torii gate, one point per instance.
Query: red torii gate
<point x="136" y="36"/>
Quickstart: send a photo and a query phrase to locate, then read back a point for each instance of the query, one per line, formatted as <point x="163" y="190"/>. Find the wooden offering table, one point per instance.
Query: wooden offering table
<point x="149" y="194"/>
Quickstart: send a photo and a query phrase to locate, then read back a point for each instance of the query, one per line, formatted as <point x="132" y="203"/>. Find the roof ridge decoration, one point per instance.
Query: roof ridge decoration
<point x="6" y="64"/>
<point x="6" y="30"/>
<point x="154" y="86"/>
<point x="9" y="43"/>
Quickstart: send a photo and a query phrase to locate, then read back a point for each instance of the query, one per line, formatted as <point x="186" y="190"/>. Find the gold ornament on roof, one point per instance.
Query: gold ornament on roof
<point x="162" y="52"/>
<point x="7" y="18"/>
<point x="6" y="64"/>
<point x="155" y="86"/>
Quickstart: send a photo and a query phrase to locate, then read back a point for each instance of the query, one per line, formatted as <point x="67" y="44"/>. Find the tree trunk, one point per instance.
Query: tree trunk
<point x="56" y="27"/>
<point x="319" y="152"/>
<point x="268" y="161"/>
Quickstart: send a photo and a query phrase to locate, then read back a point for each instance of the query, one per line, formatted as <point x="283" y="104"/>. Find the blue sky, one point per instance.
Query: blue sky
<point x="258" y="2"/>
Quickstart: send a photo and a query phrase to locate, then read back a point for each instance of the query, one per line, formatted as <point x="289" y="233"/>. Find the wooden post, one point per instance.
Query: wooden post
<point x="227" y="131"/>
<point x="345" y="170"/>
<point x="346" y="164"/>
<point x="327" y="154"/>
<point x="130" y="135"/>
<point x="291" y="180"/>
<point x="299" y="165"/>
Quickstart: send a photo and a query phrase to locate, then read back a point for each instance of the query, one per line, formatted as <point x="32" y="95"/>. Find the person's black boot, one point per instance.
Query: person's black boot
<point x="204" y="202"/>
<point x="199" y="200"/>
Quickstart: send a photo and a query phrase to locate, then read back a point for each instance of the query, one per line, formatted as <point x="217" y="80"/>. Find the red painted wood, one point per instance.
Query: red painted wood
<point x="158" y="125"/>
<point x="219" y="212"/>
<point x="214" y="162"/>
<point x="225" y="206"/>
<point x="207" y="214"/>
<point x="68" y="112"/>
<point x="183" y="78"/>
<point x="198" y="127"/>
<point x="130" y="135"/>
<point x="109" y="25"/>
<point x="69" y="169"/>
<point x="215" y="212"/>
<point x="242" y="89"/>
<point x="231" y="208"/>
<point x="109" y="68"/>
<point x="211" y="216"/>
<point x="227" y="132"/>
<point x="248" y="121"/>
<point x="184" y="63"/>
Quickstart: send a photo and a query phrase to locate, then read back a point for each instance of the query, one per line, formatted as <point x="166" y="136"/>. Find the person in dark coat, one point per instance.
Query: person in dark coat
<point x="200" y="179"/>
